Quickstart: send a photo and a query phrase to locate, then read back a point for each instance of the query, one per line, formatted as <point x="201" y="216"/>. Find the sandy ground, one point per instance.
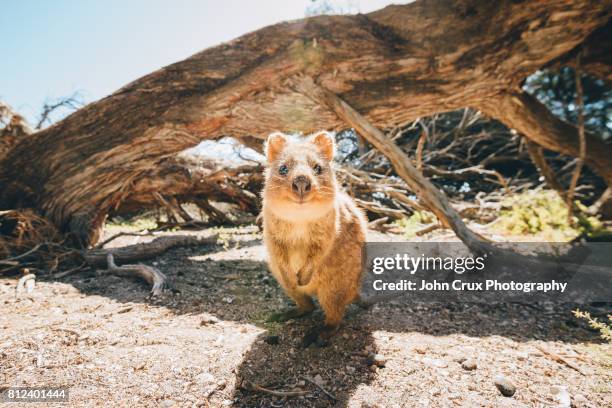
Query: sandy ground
<point x="206" y="342"/>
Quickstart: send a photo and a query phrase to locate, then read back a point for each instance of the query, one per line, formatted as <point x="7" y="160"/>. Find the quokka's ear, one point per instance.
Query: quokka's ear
<point x="274" y="145"/>
<point x="325" y="143"/>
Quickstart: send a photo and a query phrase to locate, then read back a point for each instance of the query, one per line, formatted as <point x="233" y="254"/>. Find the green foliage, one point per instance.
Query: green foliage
<point x="534" y="212"/>
<point x="540" y="213"/>
<point x="415" y="222"/>
<point x="136" y="223"/>
<point x="605" y="329"/>
<point x="544" y="213"/>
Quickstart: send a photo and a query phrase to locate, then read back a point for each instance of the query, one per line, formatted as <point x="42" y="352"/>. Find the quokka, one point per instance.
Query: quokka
<point x="313" y="231"/>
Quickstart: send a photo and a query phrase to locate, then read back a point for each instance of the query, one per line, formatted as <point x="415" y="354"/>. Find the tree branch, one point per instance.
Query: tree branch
<point x="524" y="113"/>
<point x="433" y="198"/>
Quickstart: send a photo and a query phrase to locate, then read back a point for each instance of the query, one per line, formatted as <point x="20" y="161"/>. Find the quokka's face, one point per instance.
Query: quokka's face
<point x="299" y="172"/>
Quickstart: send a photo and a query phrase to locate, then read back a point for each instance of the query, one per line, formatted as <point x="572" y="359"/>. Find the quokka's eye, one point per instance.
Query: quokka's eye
<point x="317" y="169"/>
<point x="283" y="170"/>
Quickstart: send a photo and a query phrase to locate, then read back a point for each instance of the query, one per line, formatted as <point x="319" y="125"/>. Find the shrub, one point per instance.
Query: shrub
<point x="605" y="329"/>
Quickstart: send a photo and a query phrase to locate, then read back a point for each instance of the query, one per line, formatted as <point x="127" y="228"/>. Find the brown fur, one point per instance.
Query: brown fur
<point x="313" y="241"/>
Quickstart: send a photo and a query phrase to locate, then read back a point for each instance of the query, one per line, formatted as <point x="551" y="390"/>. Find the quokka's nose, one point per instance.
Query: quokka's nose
<point x="301" y="185"/>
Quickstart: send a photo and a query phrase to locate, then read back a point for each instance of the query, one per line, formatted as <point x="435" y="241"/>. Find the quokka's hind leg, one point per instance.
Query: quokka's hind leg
<point x="333" y="304"/>
<point x="304" y="306"/>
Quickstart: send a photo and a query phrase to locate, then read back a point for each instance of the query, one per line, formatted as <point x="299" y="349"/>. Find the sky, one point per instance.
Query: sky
<point x="52" y="49"/>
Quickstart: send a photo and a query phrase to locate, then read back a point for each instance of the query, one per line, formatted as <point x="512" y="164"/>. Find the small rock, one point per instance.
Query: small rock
<point x="505" y="386"/>
<point x="350" y="369"/>
<point x="469" y="365"/>
<point x="373" y="368"/>
<point x="420" y="349"/>
<point x="434" y="362"/>
<point x="167" y="404"/>
<point x="377" y="359"/>
<point x="228" y="300"/>
<point x="208" y="320"/>
<point x="580" y="400"/>
<point x="561" y="395"/>
<point x="318" y="379"/>
<point x="345" y="336"/>
<point x="272" y="340"/>
<point x="205" y="378"/>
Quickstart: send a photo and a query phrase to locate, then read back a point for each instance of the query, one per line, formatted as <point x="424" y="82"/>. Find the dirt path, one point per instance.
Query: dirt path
<point x="202" y="345"/>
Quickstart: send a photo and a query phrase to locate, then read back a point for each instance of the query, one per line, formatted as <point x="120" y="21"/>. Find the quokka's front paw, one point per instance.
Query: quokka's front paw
<point x="319" y="336"/>
<point x="304" y="276"/>
<point x="283" y="316"/>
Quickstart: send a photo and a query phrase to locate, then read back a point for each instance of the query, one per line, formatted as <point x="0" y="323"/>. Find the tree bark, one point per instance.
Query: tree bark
<point x="596" y="58"/>
<point x="393" y="66"/>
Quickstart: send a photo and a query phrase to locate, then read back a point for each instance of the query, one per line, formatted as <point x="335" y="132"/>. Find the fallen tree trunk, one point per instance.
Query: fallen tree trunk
<point x="596" y="57"/>
<point x="393" y="66"/>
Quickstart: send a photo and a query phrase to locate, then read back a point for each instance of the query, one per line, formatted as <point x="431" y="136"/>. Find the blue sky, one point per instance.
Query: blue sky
<point x="50" y="49"/>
